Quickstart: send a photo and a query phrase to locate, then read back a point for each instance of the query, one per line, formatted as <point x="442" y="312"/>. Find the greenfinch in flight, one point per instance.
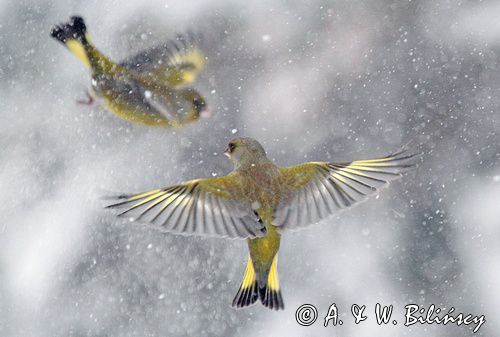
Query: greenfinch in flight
<point x="148" y="88"/>
<point x="258" y="201"/>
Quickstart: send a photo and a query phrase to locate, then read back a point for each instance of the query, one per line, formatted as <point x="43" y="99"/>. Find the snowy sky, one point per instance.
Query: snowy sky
<point x="316" y="80"/>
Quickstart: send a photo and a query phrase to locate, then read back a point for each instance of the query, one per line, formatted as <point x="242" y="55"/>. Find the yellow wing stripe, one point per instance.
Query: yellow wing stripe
<point x="376" y="160"/>
<point x="318" y="189"/>
<point x="398" y="156"/>
<point x="171" y="196"/>
<point x="165" y="205"/>
<point x="174" y="200"/>
<point x="153" y="204"/>
<point x="358" y="173"/>
<point x="365" y="163"/>
<point x="366" y="168"/>
<point x="195" y="207"/>
<point x="348" y="175"/>
<point x="145" y="200"/>
<point x="147" y="197"/>
<point x="142" y="195"/>
<point x="341" y="179"/>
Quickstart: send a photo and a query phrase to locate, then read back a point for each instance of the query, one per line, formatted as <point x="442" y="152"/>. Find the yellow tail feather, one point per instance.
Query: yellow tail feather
<point x="74" y="35"/>
<point x="248" y="292"/>
<point x="269" y="293"/>
<point x="77" y="48"/>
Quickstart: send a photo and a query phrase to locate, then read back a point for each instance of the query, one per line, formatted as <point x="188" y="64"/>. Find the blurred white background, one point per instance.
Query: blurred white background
<point x="316" y="80"/>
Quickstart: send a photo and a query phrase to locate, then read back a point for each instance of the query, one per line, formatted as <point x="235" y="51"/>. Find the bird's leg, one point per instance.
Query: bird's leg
<point x="89" y="100"/>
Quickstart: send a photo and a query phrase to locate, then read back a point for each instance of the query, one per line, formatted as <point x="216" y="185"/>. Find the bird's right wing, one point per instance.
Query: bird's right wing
<point x="175" y="62"/>
<point x="318" y="189"/>
<point x="211" y="206"/>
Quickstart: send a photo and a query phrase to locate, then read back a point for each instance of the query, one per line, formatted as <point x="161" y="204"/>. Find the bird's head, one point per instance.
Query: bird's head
<point x="245" y="152"/>
<point x="198" y="105"/>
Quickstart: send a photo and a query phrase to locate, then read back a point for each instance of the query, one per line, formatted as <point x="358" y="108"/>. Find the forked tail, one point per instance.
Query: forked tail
<point x="250" y="291"/>
<point x="74" y="35"/>
<point x="74" y="29"/>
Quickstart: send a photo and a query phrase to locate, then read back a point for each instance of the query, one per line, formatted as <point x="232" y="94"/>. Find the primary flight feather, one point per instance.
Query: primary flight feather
<point x="257" y="201"/>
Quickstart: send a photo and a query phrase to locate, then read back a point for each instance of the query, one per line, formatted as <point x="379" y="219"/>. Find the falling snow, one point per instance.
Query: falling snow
<point x="316" y="81"/>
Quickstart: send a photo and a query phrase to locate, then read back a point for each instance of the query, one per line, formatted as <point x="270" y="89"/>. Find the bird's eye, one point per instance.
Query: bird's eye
<point x="199" y="104"/>
<point x="231" y="147"/>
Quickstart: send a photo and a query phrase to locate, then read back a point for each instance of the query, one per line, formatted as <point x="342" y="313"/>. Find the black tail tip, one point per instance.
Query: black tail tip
<point x="271" y="299"/>
<point x="73" y="29"/>
<point x="246" y="296"/>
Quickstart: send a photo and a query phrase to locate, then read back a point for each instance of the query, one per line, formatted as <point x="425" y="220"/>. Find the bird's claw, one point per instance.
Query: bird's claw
<point x="89" y="100"/>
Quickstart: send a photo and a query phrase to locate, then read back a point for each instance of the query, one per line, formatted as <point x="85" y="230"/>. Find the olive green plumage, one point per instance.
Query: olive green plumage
<point x="258" y="201"/>
<point x="148" y="88"/>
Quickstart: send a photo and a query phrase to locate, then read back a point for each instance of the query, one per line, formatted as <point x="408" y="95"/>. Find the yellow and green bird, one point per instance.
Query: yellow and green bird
<point x="148" y="88"/>
<point x="258" y="201"/>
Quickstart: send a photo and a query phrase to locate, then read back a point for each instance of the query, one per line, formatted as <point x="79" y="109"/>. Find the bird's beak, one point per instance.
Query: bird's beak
<point x="227" y="153"/>
<point x="206" y="113"/>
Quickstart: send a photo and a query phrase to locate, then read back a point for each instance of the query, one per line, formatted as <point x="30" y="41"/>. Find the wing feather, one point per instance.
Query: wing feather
<point x="323" y="208"/>
<point x="319" y="189"/>
<point x="197" y="207"/>
<point x="175" y="62"/>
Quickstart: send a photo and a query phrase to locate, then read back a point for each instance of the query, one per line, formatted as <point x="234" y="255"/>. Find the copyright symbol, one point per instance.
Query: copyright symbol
<point x="306" y="314"/>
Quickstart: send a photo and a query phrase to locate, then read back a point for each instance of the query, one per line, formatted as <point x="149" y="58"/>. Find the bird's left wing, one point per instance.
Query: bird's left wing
<point x="212" y="207"/>
<point x="174" y="63"/>
<point x="319" y="189"/>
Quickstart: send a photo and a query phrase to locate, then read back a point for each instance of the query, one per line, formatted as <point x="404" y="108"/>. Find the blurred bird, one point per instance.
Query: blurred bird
<point x="145" y="88"/>
<point x="259" y="200"/>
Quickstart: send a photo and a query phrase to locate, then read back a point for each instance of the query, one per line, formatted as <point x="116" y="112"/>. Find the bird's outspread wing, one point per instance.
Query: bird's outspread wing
<point x="211" y="207"/>
<point x="319" y="189"/>
<point x="174" y="63"/>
